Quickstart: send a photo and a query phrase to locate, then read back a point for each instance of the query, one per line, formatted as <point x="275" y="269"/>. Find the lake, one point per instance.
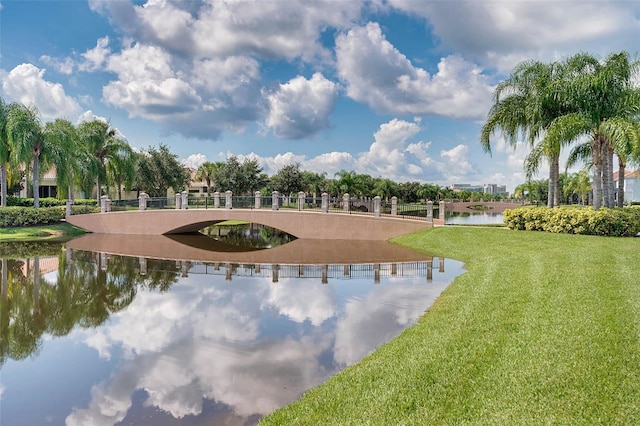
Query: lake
<point x="115" y="336"/>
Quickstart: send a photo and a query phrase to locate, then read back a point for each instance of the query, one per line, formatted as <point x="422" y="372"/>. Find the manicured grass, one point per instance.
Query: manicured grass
<point x="58" y="232"/>
<point x="542" y="329"/>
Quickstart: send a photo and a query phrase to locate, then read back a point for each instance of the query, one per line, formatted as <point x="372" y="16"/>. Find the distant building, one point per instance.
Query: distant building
<point x="631" y="185"/>
<point x="489" y="188"/>
<point x="466" y="187"/>
<point x="493" y="189"/>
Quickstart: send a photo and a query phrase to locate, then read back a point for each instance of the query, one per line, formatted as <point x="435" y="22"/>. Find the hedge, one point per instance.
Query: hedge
<point x="13" y="201"/>
<point x="617" y="222"/>
<point x="30" y="216"/>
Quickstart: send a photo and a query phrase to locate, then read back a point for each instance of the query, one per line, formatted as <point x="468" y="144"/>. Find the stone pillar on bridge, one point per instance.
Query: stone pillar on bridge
<point x="430" y="211"/>
<point x="258" y="199"/>
<point x="216" y="200"/>
<point x="429" y="270"/>
<point x="345" y="202"/>
<point x="300" y="200"/>
<point x="185" y="200"/>
<point x="376" y="206"/>
<point x="441" y="211"/>
<point x="394" y="206"/>
<point x="178" y="201"/>
<point x="325" y="202"/>
<point x="274" y="200"/>
<point x="142" y="201"/>
<point x="227" y="201"/>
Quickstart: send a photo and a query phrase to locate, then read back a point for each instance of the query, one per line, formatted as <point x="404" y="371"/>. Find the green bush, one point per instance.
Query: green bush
<point x="618" y="222"/>
<point x="14" y="201"/>
<point x="29" y="216"/>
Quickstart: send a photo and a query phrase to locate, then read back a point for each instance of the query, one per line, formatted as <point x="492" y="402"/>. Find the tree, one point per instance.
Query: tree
<point x="527" y="103"/>
<point x="27" y="137"/>
<point x="67" y="154"/>
<point x="288" y="180"/>
<point x="314" y="183"/>
<point x="578" y="184"/>
<point x="209" y="172"/>
<point x="157" y="170"/>
<point x="605" y="105"/>
<point x="347" y="182"/>
<point x="104" y="143"/>
<point x="5" y="149"/>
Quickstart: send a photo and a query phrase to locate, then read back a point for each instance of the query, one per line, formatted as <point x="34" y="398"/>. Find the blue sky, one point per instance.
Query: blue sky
<point x="394" y="88"/>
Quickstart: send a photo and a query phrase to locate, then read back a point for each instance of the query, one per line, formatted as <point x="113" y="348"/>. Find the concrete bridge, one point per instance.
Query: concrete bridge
<point x="299" y="223"/>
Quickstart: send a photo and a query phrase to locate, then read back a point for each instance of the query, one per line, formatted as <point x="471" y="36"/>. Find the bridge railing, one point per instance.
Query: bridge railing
<point x="360" y="206"/>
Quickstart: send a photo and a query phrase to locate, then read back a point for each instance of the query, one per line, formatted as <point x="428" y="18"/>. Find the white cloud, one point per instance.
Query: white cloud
<point x="316" y="304"/>
<point x="501" y="34"/>
<point x="376" y="73"/>
<point x="64" y="66"/>
<point x="194" y="160"/>
<point x="26" y="84"/>
<point x="96" y="57"/>
<point x="2" y="389"/>
<point x="273" y="30"/>
<point x="300" y="108"/>
<point x="391" y="156"/>
<point x="196" y="99"/>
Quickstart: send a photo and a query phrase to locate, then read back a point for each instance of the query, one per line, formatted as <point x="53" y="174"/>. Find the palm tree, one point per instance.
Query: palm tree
<point x="347" y="182"/>
<point x="530" y="105"/>
<point x="209" y="172"/>
<point x="121" y="169"/>
<point x="578" y="184"/>
<point x="606" y="109"/>
<point x="67" y="154"/>
<point x="104" y="143"/>
<point x="5" y="150"/>
<point x="27" y="137"/>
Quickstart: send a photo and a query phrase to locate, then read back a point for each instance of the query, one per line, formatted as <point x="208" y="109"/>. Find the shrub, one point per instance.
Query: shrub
<point x="14" y="201"/>
<point x="618" y="222"/>
<point x="29" y="216"/>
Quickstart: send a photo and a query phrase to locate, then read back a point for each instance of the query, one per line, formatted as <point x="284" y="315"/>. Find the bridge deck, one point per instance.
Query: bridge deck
<point x="302" y="224"/>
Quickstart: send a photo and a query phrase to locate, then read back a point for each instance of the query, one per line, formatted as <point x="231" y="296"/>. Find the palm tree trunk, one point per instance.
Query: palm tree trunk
<point x="551" y="189"/>
<point x="3" y="183"/>
<point x="621" y="171"/>
<point x="596" y="153"/>
<point x="36" y="183"/>
<point x="610" y="182"/>
<point x="556" y="180"/>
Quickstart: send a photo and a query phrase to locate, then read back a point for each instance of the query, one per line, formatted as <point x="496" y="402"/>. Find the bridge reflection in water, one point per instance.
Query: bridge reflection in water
<point x="276" y="271"/>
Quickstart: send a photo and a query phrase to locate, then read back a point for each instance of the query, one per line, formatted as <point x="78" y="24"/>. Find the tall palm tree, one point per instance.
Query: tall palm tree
<point x="104" y="143"/>
<point x="528" y="103"/>
<point x="67" y="154"/>
<point x="5" y="150"/>
<point x="121" y="169"/>
<point x="28" y="138"/>
<point x="606" y="105"/>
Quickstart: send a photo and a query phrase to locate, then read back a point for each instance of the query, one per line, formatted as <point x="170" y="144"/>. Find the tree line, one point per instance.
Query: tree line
<point x="89" y="155"/>
<point x="93" y="157"/>
<point x="590" y="106"/>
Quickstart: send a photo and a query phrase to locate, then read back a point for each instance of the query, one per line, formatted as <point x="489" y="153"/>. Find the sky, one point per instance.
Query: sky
<point x="397" y="89"/>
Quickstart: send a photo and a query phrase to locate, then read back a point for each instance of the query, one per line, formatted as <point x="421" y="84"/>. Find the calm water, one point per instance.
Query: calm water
<point x="90" y="338"/>
<point x="454" y="218"/>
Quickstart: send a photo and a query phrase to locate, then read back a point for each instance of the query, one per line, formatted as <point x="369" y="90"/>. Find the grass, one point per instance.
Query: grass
<point x="542" y="329"/>
<point x="57" y="232"/>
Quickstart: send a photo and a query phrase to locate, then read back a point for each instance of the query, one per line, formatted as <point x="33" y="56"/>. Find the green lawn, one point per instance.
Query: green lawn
<point x="542" y="329"/>
<point x="58" y="232"/>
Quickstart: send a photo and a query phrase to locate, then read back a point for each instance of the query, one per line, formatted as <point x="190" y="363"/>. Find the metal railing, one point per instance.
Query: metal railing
<point x="344" y="205"/>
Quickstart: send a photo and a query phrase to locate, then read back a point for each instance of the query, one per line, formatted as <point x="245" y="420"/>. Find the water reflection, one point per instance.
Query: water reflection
<point x="245" y="236"/>
<point x="475" y="218"/>
<point x="96" y="338"/>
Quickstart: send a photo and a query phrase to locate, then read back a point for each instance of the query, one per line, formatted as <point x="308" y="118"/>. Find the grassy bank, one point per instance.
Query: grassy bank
<point x="57" y="232"/>
<point x="542" y="329"/>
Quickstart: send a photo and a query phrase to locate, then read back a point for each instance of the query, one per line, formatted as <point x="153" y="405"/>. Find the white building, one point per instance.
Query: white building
<point x="631" y="185"/>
